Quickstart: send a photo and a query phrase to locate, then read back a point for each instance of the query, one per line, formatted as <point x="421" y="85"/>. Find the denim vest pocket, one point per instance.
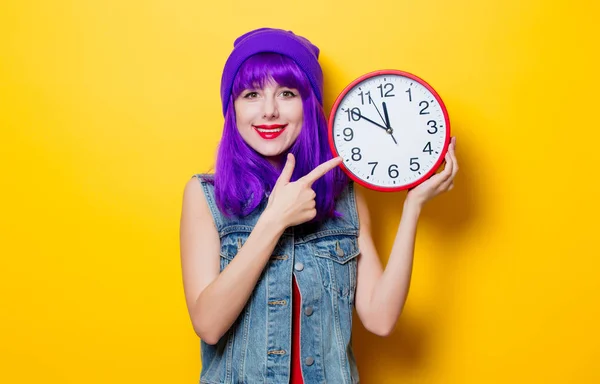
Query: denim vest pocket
<point x="232" y="242"/>
<point x="336" y="256"/>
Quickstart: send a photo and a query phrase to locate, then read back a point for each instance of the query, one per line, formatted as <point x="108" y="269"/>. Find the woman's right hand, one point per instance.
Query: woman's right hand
<point x="293" y="203"/>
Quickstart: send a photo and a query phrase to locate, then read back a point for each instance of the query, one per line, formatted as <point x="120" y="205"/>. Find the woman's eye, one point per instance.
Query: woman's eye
<point x="251" y="95"/>
<point x="288" y="94"/>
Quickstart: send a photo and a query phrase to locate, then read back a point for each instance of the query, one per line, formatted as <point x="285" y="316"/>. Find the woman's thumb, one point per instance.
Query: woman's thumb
<point x="288" y="170"/>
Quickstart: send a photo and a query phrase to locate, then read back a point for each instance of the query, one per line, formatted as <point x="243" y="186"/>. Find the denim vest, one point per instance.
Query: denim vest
<point x="322" y="257"/>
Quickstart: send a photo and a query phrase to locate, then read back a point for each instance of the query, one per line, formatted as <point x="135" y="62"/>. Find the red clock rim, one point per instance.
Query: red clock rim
<point x="389" y="72"/>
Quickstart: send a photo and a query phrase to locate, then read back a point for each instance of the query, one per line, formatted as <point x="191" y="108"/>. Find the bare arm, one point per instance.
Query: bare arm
<point x="215" y="300"/>
<point x="381" y="295"/>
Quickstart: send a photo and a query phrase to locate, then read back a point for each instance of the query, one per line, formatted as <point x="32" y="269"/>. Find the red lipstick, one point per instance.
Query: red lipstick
<point x="269" y="131"/>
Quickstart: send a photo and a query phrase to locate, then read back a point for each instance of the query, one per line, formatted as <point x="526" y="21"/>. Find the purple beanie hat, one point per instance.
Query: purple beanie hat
<point x="296" y="47"/>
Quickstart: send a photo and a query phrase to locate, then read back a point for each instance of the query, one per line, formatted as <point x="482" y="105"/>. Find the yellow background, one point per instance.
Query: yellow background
<point x="108" y="107"/>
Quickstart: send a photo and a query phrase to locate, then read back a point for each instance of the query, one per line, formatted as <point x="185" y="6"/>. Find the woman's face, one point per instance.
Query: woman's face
<point x="269" y="119"/>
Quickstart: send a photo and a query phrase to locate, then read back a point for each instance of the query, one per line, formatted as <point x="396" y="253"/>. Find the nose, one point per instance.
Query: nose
<point x="271" y="110"/>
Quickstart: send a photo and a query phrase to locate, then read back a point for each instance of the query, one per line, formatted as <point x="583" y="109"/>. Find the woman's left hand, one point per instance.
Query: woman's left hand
<point x="438" y="183"/>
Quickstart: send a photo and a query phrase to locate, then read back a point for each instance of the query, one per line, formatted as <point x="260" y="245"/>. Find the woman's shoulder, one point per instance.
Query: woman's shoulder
<point x="204" y="177"/>
<point x="197" y="185"/>
<point x="195" y="201"/>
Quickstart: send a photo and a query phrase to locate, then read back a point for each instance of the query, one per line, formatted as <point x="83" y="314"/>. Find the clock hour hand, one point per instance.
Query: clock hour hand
<point x="360" y="115"/>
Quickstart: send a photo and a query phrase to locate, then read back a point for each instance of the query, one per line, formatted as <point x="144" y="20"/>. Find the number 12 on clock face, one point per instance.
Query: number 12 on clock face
<point x="391" y="128"/>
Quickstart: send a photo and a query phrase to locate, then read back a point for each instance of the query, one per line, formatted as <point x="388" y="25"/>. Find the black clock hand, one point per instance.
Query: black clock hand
<point x="387" y="118"/>
<point x="387" y="121"/>
<point x="360" y="115"/>
<point x="393" y="138"/>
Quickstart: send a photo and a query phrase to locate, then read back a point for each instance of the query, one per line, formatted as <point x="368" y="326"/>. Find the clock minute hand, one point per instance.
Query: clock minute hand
<point x="387" y="118"/>
<point x="387" y="122"/>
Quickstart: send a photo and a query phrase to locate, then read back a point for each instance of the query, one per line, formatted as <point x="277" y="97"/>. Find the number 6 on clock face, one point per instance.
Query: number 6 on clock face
<point x="391" y="128"/>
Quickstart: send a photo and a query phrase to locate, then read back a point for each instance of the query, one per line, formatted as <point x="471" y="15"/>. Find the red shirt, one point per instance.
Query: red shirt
<point x="296" y="373"/>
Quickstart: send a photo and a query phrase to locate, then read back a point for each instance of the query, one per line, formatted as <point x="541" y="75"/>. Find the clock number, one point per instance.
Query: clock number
<point x="375" y="165"/>
<point x="428" y="148"/>
<point x="413" y="162"/>
<point x="424" y="108"/>
<point x="432" y="126"/>
<point x="387" y="91"/>
<point x="356" y="156"/>
<point x="351" y="134"/>
<point x="353" y="114"/>
<point x="393" y="171"/>
<point x="362" y="99"/>
<point x="409" y="94"/>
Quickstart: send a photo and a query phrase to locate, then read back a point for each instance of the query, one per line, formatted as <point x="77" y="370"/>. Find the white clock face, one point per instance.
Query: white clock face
<point x="390" y="130"/>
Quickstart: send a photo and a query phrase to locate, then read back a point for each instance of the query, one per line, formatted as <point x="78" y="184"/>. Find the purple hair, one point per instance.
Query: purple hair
<point x="243" y="176"/>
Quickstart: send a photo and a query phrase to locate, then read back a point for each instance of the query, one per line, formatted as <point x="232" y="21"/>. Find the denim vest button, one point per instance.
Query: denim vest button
<point x="299" y="266"/>
<point x="309" y="361"/>
<point x="308" y="311"/>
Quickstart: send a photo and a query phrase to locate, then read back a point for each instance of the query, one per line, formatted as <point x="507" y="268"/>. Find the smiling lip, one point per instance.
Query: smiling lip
<point x="270" y="132"/>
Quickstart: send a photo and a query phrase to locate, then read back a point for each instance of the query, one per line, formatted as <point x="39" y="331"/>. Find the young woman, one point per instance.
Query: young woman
<point x="276" y="248"/>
